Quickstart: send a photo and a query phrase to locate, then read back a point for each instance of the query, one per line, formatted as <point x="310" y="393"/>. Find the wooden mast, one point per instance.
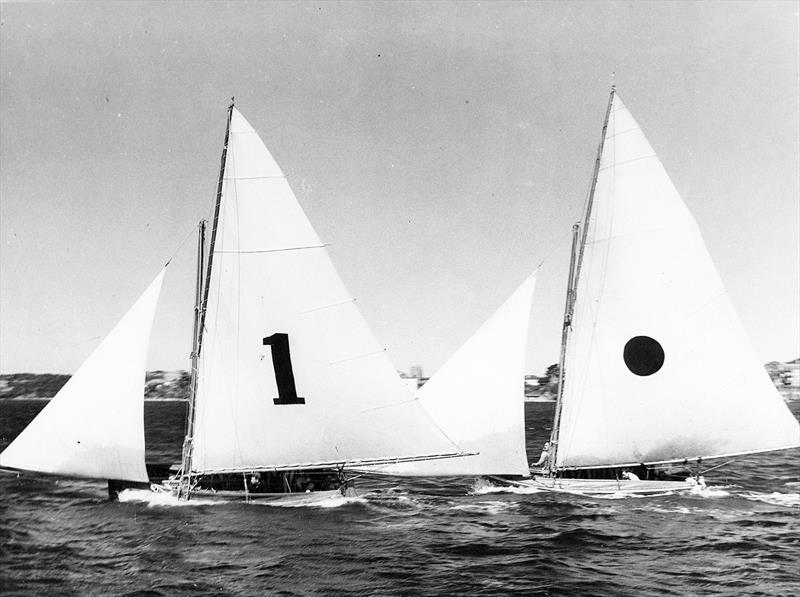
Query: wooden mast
<point x="564" y="334"/>
<point x="202" y="288"/>
<point x="214" y="223"/>
<point x="572" y="289"/>
<point x="186" y="461"/>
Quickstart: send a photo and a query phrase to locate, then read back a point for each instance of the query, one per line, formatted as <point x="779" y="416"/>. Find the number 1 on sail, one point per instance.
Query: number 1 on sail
<point x="282" y="363"/>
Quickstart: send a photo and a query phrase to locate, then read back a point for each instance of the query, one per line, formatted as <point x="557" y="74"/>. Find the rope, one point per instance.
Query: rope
<point x="190" y="234"/>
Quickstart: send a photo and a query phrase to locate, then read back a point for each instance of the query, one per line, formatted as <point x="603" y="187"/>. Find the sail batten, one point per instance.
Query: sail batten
<point x="658" y="368"/>
<point x="272" y="250"/>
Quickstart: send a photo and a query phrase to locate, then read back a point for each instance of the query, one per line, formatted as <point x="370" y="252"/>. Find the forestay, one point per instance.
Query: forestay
<point x="658" y="367"/>
<point x="321" y="391"/>
<point x="94" y="426"/>
<point x="477" y="397"/>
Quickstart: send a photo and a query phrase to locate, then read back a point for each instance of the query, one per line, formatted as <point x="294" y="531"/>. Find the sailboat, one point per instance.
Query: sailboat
<point x="657" y="375"/>
<point x="289" y="388"/>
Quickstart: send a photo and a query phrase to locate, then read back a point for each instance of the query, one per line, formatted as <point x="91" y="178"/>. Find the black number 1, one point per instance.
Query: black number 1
<point x="284" y="376"/>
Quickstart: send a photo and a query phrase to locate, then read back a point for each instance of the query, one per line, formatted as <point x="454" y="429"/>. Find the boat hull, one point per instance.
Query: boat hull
<point x="600" y="487"/>
<point x="608" y="487"/>
<point x="295" y="487"/>
<point x="309" y="497"/>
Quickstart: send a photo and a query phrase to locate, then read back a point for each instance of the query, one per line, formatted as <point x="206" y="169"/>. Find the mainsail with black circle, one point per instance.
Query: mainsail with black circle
<point x="657" y="366"/>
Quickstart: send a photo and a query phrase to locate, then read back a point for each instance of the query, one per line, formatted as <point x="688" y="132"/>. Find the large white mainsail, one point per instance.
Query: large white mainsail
<point x="289" y="374"/>
<point x="477" y="397"/>
<point x="658" y="367"/>
<point x="94" y="426"/>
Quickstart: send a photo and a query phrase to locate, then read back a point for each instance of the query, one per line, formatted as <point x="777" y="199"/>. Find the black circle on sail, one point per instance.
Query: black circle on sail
<point x="643" y="355"/>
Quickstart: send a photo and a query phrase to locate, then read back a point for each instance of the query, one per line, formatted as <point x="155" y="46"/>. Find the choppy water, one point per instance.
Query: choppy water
<point x="454" y="537"/>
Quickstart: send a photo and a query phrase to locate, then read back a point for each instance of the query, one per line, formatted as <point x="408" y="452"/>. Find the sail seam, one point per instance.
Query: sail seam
<point x="644" y="157"/>
<point x="393" y="404"/>
<point x="329" y="306"/>
<point x="625" y="132"/>
<point x="606" y="239"/>
<point x="235" y="178"/>
<point x="278" y="250"/>
<point x="358" y="356"/>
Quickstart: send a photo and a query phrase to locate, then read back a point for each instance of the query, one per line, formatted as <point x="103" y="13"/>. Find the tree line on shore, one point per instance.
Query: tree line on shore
<point x="174" y="385"/>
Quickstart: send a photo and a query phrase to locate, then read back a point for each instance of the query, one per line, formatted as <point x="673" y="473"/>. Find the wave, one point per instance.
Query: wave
<point x="483" y="487"/>
<point x="491" y="508"/>
<point x="776" y="498"/>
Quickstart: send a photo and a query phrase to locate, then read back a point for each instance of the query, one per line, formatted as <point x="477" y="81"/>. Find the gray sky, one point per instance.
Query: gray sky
<point x="443" y="150"/>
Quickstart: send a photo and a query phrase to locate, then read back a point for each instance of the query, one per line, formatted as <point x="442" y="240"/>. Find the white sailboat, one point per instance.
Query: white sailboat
<point x="289" y="386"/>
<point x="657" y="371"/>
<point x="656" y="368"/>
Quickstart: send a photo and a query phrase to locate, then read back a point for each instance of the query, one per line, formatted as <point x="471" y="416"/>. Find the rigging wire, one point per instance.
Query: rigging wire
<point x="188" y="235"/>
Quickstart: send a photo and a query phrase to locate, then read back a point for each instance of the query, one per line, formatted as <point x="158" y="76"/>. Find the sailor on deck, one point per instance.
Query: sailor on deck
<point x="544" y="457"/>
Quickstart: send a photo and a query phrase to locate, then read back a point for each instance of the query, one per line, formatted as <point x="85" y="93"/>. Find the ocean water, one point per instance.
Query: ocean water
<point x="401" y="537"/>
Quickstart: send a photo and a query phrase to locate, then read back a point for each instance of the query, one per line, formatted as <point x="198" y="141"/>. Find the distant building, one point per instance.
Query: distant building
<point x="413" y="379"/>
<point x="784" y="375"/>
<point x="791" y="375"/>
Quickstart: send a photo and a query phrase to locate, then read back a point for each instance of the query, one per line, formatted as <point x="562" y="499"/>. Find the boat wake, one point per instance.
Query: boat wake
<point x="313" y="501"/>
<point x="484" y="487"/>
<point x="776" y="498"/>
<point x="709" y="492"/>
<point x="163" y="499"/>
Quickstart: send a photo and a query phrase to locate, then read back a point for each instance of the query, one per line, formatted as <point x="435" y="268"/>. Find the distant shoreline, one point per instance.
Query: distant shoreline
<point x="48" y="398"/>
<point x="173" y="386"/>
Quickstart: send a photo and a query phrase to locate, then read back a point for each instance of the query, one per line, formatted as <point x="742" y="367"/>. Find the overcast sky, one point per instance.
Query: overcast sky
<point x="443" y="149"/>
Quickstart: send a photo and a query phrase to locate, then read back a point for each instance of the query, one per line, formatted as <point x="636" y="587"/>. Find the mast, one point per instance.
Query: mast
<point x="214" y="225"/>
<point x="570" y="301"/>
<point x="202" y="288"/>
<point x="572" y="287"/>
<point x="186" y="461"/>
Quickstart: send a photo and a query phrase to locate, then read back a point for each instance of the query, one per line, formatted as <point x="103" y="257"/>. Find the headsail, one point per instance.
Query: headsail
<point x="289" y="373"/>
<point x="477" y="397"/>
<point x="658" y="366"/>
<point x="94" y="426"/>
